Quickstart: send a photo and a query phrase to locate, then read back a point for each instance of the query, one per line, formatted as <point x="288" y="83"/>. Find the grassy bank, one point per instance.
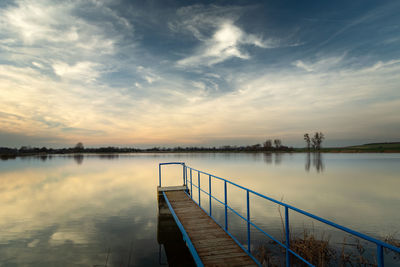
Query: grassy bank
<point x="392" y="147"/>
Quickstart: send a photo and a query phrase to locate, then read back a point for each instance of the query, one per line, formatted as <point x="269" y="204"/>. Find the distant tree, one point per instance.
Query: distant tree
<point x="267" y="144"/>
<point x="79" y="147"/>
<point x="308" y="140"/>
<point x="317" y="140"/>
<point x="277" y="143"/>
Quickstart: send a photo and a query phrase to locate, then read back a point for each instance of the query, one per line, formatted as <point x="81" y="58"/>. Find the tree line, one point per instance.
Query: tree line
<point x="268" y="145"/>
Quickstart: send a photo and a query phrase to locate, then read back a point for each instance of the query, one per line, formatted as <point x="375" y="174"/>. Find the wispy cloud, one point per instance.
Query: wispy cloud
<point x="102" y="73"/>
<point x="220" y="38"/>
<point x="322" y="64"/>
<point x="82" y="71"/>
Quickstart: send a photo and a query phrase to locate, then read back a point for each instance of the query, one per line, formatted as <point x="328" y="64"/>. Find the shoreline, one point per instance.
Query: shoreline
<point x="323" y="151"/>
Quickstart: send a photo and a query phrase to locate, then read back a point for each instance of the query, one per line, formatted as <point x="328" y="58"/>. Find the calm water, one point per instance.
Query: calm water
<point x="92" y="210"/>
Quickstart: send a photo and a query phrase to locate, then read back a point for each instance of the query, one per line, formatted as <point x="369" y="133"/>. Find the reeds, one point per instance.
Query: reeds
<point x="315" y="250"/>
<point x="319" y="250"/>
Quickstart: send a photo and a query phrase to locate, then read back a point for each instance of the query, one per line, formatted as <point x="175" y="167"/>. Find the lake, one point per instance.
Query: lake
<point x="93" y="210"/>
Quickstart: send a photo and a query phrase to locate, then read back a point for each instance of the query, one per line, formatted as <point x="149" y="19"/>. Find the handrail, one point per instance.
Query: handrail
<point x="170" y="163"/>
<point x="380" y="244"/>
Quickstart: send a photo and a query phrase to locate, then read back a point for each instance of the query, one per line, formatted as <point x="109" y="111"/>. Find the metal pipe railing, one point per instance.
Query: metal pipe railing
<point x="380" y="244"/>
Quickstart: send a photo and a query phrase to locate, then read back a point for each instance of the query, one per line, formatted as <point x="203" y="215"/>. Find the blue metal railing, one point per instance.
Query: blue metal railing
<point x="380" y="245"/>
<point x="185" y="236"/>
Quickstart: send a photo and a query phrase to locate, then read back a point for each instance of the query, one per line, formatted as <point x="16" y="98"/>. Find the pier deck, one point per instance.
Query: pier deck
<point x="213" y="245"/>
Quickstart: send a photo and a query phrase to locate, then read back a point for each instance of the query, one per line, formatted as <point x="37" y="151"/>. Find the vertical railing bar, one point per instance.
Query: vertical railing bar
<point x="183" y="173"/>
<point x="199" y="188"/>
<point x="379" y="252"/>
<point x="226" y="207"/>
<point x="209" y="191"/>
<point x="287" y="236"/>
<point x="186" y="176"/>
<point x="159" y="175"/>
<point x="248" y="220"/>
<point x="191" y="185"/>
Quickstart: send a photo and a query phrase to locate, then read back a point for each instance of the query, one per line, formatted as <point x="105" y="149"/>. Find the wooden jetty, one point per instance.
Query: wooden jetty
<point x="212" y="244"/>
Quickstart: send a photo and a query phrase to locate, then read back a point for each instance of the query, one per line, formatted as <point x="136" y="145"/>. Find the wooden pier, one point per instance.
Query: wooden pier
<point x="212" y="244"/>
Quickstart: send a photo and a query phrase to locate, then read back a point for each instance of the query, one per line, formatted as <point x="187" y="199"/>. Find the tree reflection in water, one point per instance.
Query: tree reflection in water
<point x="317" y="161"/>
<point x="78" y="158"/>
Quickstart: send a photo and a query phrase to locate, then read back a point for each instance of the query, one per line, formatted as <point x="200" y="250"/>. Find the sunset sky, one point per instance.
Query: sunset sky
<point x="166" y="73"/>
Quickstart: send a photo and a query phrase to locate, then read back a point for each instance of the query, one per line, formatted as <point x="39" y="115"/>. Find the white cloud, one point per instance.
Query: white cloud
<point x="148" y="74"/>
<point x="59" y="238"/>
<point x="37" y="64"/>
<point x="227" y="42"/>
<point x="81" y="71"/>
<point x="322" y="64"/>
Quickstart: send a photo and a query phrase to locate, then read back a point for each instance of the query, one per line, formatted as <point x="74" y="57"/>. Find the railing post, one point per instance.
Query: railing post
<point x="186" y="176"/>
<point x="226" y="207"/>
<point x="287" y="236"/>
<point x="159" y="175"/>
<point x="183" y="173"/>
<point x="209" y="191"/>
<point x="379" y="252"/>
<point x="248" y="220"/>
<point x="191" y="184"/>
<point x="198" y="183"/>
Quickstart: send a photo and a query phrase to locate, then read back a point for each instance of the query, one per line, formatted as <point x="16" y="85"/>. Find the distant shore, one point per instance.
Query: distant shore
<point x="9" y="153"/>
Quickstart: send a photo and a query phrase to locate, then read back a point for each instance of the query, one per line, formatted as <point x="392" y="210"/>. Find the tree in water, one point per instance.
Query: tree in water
<point x="308" y="141"/>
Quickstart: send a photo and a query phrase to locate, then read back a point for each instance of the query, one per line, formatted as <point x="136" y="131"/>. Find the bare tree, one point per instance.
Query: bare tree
<point x="308" y="140"/>
<point x="267" y="144"/>
<point x="277" y="143"/>
<point x="317" y="140"/>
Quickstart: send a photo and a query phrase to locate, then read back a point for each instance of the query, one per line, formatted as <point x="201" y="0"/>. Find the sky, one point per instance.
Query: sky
<point x="191" y="73"/>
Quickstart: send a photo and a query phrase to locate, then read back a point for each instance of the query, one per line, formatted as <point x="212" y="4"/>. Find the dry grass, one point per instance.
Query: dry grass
<point x="390" y="239"/>
<point x="315" y="250"/>
<point x="319" y="251"/>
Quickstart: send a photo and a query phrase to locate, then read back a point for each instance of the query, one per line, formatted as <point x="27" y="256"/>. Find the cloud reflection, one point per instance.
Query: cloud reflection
<point x="72" y="215"/>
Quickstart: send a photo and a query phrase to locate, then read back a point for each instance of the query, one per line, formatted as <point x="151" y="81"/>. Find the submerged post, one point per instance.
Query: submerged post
<point x="287" y="236"/>
<point x="379" y="252"/>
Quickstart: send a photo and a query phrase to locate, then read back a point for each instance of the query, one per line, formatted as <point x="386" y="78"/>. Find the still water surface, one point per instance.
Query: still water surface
<point x="97" y="209"/>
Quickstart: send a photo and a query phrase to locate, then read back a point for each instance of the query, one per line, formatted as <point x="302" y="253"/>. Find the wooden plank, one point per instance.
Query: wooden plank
<point x="213" y="245"/>
<point x="171" y="188"/>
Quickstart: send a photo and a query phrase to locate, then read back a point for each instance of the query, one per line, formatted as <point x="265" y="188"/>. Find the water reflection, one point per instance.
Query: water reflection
<point x="317" y="161"/>
<point x="54" y="213"/>
<point x="270" y="158"/>
<point x="78" y="158"/>
<point x="278" y="158"/>
<point x="170" y="238"/>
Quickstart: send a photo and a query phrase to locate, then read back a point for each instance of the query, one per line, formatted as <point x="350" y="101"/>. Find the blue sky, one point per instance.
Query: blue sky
<point x="198" y="73"/>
